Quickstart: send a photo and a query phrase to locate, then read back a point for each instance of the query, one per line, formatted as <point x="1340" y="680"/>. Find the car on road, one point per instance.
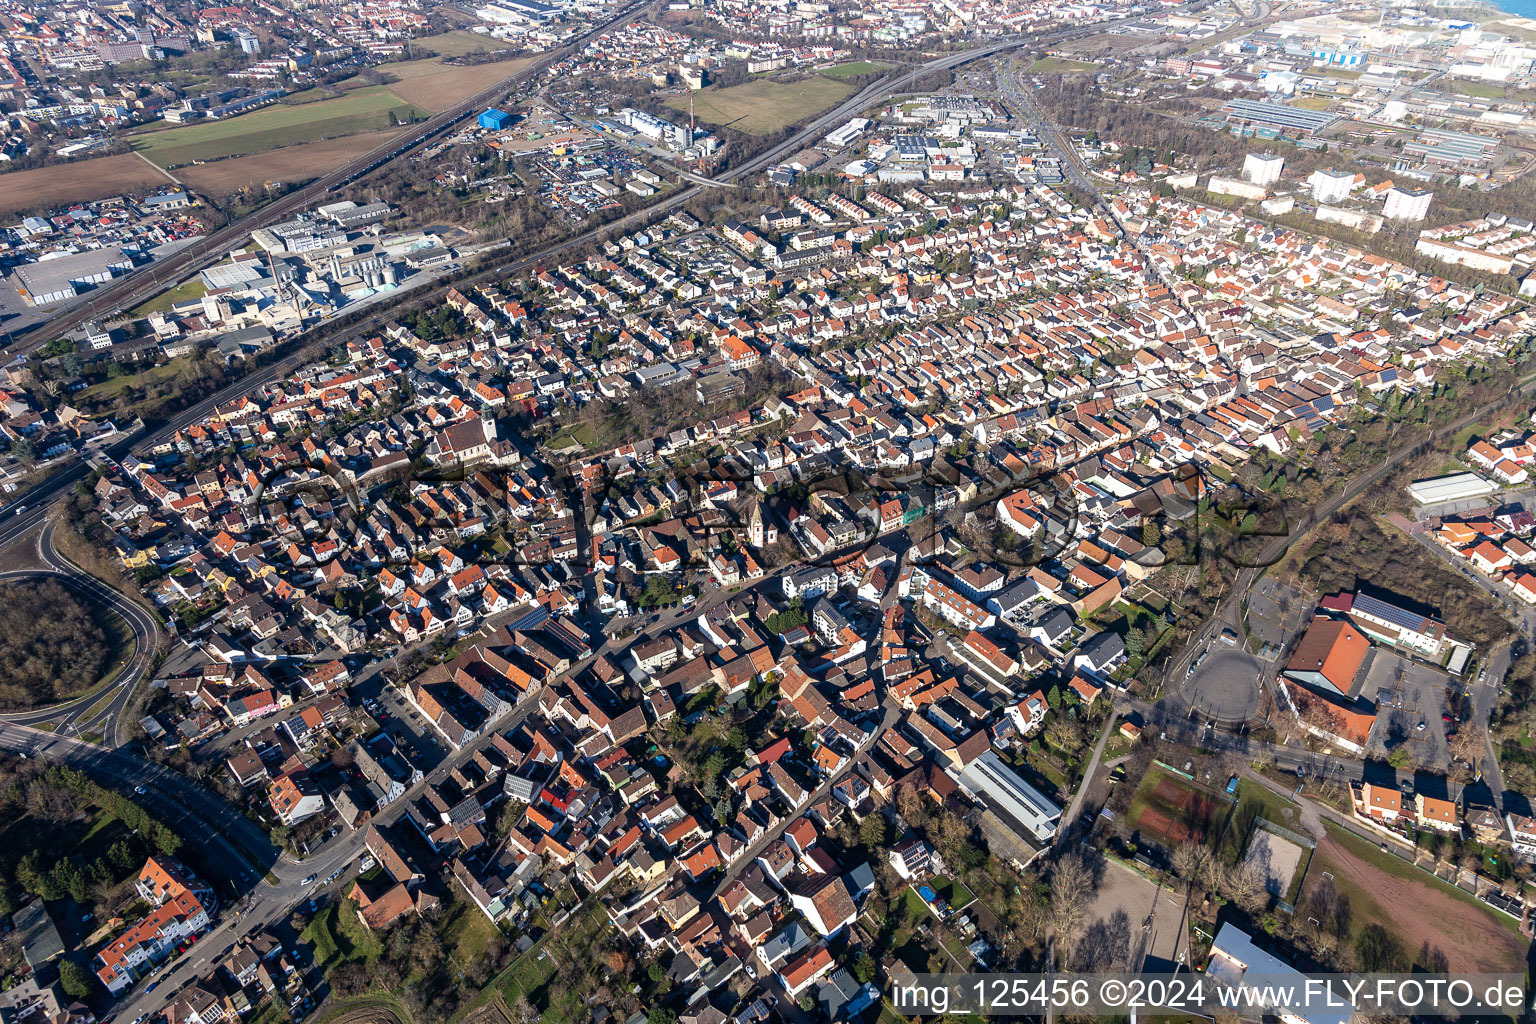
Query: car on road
<point x="152" y="986"/>
<point x="20" y="509"/>
<point x="308" y="881"/>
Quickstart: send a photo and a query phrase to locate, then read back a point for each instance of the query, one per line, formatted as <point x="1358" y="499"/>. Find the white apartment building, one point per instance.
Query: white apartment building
<point x="1406" y="203"/>
<point x="1331" y="186"/>
<point x="1263" y="168"/>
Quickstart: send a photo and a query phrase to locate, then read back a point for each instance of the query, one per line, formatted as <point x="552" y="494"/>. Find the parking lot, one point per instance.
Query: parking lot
<point x="1225" y="684"/>
<point x="1276" y="612"/>
<point x="1410" y="700"/>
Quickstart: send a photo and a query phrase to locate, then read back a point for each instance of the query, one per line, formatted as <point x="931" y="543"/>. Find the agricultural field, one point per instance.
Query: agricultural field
<point x="1374" y="888"/>
<point x="435" y="86"/>
<point x="282" y="124"/>
<point x="843" y="72"/>
<point x="764" y="106"/>
<point x="458" y="43"/>
<point x="82" y="181"/>
<point x="1171" y="810"/>
<point x="289" y="165"/>
<point x="1059" y="66"/>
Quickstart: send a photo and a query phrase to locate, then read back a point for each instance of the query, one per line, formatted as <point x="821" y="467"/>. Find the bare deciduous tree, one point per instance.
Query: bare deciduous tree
<point x="1246" y="887"/>
<point x="1071" y="893"/>
<point x="1190" y="860"/>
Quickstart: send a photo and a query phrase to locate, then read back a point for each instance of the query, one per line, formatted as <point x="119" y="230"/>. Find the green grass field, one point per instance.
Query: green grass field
<point x="337" y="940"/>
<point x="187" y="290"/>
<point x="953" y="891"/>
<point x="458" y="42"/>
<point x="1383" y="890"/>
<point x="466" y="931"/>
<point x="859" y="67"/>
<point x="764" y="106"/>
<point x="1490" y="91"/>
<point x="114" y="386"/>
<point x="578" y="432"/>
<point x="1255" y="801"/>
<point x="282" y="124"/>
<point x="1312" y="103"/>
<point x="1058" y="66"/>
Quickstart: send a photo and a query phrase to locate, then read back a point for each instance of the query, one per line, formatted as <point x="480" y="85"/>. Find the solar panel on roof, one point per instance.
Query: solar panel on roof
<point x="1367" y="605"/>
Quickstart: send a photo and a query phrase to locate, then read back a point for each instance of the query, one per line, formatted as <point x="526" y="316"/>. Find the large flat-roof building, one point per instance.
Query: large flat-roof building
<point x="1278" y="116"/>
<point x="1453" y="150"/>
<point x="1396" y="626"/>
<point x="1406" y="203"/>
<point x="1263" y="168"/>
<point x="61" y="278"/>
<point x="1455" y="487"/>
<point x="1237" y="963"/>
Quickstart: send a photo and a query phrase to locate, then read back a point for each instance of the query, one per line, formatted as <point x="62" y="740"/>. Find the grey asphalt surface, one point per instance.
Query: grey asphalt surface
<point x="1226" y="685"/>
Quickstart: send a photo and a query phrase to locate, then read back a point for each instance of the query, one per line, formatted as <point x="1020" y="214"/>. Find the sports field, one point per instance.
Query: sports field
<point x="859" y="67"/>
<point x="1418" y="910"/>
<point x="1276" y="859"/>
<point x="282" y="124"/>
<point x="77" y="182"/>
<point x="1171" y="810"/>
<point x="764" y="106"/>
